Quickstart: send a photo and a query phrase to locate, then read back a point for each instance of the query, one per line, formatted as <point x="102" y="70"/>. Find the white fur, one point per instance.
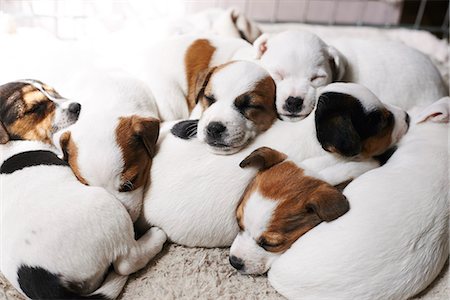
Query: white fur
<point x="67" y="228"/>
<point x="258" y="212"/>
<point x="194" y="194"/>
<point x="394" y="240"/>
<point x="387" y="68"/>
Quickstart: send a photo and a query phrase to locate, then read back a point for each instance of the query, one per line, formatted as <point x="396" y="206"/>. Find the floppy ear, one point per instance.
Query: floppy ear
<point x="437" y="112"/>
<point x="338" y="63"/>
<point x="263" y="158"/>
<point x="201" y="82"/>
<point x="185" y="130"/>
<point x="260" y="45"/>
<point x="328" y="203"/>
<point x="334" y="127"/>
<point x="4" y="136"/>
<point x="148" y="130"/>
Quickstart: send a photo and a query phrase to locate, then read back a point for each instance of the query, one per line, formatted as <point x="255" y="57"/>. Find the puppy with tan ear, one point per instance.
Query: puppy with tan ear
<point x="60" y="237"/>
<point x="300" y="63"/>
<point x="282" y="203"/>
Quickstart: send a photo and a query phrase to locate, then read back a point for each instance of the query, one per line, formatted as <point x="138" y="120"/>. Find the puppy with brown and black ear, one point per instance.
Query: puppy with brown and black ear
<point x="59" y="237"/>
<point x="280" y="204"/>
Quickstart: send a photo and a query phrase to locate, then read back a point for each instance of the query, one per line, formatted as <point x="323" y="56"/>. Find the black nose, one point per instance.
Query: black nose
<point x="407" y="119"/>
<point x="236" y="262"/>
<point x="293" y="104"/>
<point x="75" y="108"/>
<point x="215" y="130"/>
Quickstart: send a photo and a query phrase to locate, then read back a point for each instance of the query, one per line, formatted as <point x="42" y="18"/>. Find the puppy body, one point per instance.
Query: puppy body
<point x="69" y="230"/>
<point x="197" y="209"/>
<point x="394" y="236"/>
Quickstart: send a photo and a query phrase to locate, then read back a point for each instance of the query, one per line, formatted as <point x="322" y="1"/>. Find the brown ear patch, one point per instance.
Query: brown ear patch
<point x="263" y="99"/>
<point x="136" y="137"/>
<point x="197" y="59"/>
<point x="70" y="152"/>
<point x="382" y="140"/>
<point x="263" y="158"/>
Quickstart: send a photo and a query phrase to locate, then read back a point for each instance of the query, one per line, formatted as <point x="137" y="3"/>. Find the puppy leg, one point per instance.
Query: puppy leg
<point x="142" y="252"/>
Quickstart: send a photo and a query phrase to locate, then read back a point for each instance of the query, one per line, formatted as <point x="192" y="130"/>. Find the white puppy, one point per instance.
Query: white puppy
<point x="394" y="240"/>
<point x="300" y="62"/>
<point x="194" y="194"/>
<point x="69" y="234"/>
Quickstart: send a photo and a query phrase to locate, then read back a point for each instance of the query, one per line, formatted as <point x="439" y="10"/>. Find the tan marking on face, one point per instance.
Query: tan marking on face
<point x="379" y="143"/>
<point x="303" y="203"/>
<point x="197" y="59"/>
<point x="70" y="151"/>
<point x="136" y="137"/>
<point x="262" y="96"/>
<point x="27" y="113"/>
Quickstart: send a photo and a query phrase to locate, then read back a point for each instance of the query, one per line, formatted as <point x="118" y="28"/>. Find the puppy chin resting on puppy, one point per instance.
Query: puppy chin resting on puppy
<point x="283" y="202"/>
<point x="300" y="63"/>
<point x="59" y="237"/>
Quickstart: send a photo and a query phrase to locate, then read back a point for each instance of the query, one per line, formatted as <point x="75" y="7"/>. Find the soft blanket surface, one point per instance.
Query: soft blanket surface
<point x="198" y="273"/>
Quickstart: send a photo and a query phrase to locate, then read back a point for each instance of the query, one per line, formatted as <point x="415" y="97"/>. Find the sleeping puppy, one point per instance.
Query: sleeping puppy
<point x="69" y="234"/>
<point x="396" y="232"/>
<point x="280" y="204"/>
<point x="198" y="78"/>
<point x="300" y="62"/>
<point x="237" y="103"/>
<point x="112" y="144"/>
<point x="339" y="141"/>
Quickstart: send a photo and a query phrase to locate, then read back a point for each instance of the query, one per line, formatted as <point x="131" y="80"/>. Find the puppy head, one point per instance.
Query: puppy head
<point x="278" y="207"/>
<point x="353" y="122"/>
<point x="118" y="160"/>
<point x="31" y="110"/>
<point x="299" y="62"/>
<point x="237" y="102"/>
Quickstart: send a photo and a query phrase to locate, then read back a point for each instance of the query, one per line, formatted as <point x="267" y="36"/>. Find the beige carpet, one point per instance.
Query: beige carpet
<point x="198" y="273"/>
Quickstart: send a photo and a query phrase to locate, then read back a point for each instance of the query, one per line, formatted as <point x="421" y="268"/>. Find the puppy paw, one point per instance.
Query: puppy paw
<point x="157" y="236"/>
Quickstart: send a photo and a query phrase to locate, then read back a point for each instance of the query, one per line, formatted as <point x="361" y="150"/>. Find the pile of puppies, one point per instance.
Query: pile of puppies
<point x="270" y="109"/>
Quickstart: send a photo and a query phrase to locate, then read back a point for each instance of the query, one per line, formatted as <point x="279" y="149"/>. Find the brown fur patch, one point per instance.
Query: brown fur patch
<point x="197" y="59"/>
<point x="136" y="137"/>
<point x="303" y="203"/>
<point x="26" y="113"/>
<point x="263" y="97"/>
<point x="70" y="151"/>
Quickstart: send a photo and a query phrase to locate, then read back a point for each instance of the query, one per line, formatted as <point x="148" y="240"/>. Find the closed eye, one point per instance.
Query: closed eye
<point x="210" y="99"/>
<point x="38" y="108"/>
<point x="263" y="243"/>
<point x="128" y="185"/>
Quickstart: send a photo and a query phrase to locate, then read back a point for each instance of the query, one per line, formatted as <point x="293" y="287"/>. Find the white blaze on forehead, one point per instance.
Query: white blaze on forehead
<point x="363" y="94"/>
<point x="258" y="212"/>
<point x="236" y="79"/>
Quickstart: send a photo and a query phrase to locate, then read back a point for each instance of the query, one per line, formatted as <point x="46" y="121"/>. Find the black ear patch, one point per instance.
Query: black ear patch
<point x="185" y="129"/>
<point x="338" y="119"/>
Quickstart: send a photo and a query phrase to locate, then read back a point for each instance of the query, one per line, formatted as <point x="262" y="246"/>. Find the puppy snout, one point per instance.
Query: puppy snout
<point x="293" y="104"/>
<point x="215" y="130"/>
<point x="236" y="262"/>
<point x="75" y="108"/>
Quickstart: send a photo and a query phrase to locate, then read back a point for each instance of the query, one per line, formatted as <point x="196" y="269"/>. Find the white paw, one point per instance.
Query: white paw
<point x="157" y="236"/>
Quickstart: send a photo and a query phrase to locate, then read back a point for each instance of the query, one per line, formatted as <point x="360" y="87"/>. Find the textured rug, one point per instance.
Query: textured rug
<point x="197" y="273"/>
